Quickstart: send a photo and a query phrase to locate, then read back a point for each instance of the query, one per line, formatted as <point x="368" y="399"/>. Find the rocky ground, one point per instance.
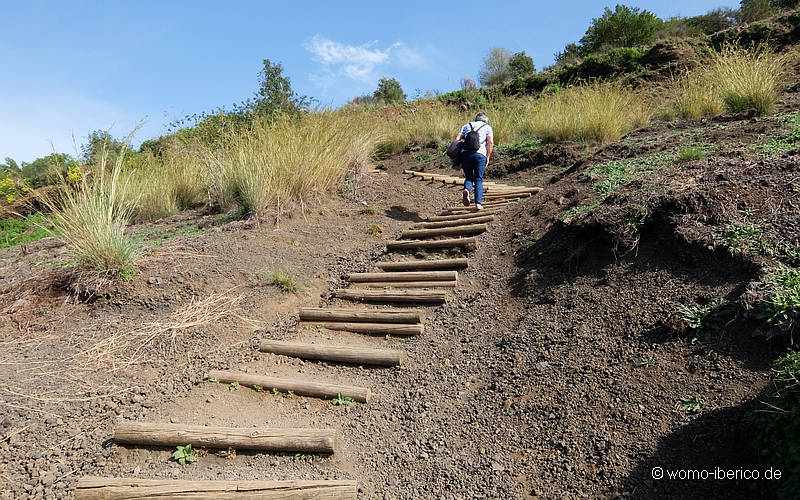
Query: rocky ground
<point x="557" y="369"/>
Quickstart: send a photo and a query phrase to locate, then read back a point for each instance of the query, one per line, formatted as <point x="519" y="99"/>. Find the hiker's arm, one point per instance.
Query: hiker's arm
<point x="458" y="137"/>
<point x="489" y="147"/>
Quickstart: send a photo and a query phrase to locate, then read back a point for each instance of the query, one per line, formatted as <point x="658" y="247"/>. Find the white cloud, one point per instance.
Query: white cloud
<point x="358" y="63"/>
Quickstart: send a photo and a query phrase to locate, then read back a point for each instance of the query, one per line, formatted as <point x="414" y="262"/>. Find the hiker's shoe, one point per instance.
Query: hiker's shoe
<point x="465" y="198"/>
<point x="479" y="206"/>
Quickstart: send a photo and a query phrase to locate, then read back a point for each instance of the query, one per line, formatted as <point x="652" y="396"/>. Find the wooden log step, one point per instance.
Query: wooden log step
<point x="405" y="276"/>
<point x="482" y="213"/>
<point x="466" y="230"/>
<point x="449" y="243"/>
<point x="413" y="265"/>
<point x="107" y="488"/>
<point x="409" y="296"/>
<point x="508" y="196"/>
<point x="510" y="189"/>
<point x="299" y="386"/>
<point x="454" y="223"/>
<point x="360" y="315"/>
<point x="407" y="284"/>
<point x="337" y="353"/>
<point x="486" y="204"/>
<point x="250" y="438"/>
<point x="377" y="328"/>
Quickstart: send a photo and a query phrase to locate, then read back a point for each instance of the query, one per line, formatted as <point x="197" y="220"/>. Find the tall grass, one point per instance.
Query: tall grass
<point x="422" y="124"/>
<point x="597" y="113"/>
<point x="735" y="79"/>
<point x="91" y="220"/>
<point x="290" y="159"/>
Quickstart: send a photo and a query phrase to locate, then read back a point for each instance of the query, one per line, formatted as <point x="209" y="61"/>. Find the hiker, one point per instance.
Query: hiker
<point x="477" y="149"/>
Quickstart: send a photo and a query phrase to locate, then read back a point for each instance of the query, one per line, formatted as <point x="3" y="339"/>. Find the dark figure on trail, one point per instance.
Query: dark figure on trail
<point x="477" y="149"/>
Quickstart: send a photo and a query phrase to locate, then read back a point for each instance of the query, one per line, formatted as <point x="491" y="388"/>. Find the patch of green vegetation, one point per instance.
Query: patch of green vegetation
<point x="289" y="395"/>
<point x="645" y="362"/>
<point x="783" y="143"/>
<point x="184" y="455"/>
<point x="258" y="388"/>
<point x="305" y="457"/>
<point x="15" y="232"/>
<point x="161" y="236"/>
<point x="369" y="209"/>
<point x="745" y="238"/>
<point x="702" y="321"/>
<point x="782" y="304"/>
<point x="239" y="214"/>
<point x="777" y="433"/>
<point x="424" y="157"/>
<point x="690" y="404"/>
<point x="126" y="273"/>
<point x="692" y="152"/>
<point x="340" y="400"/>
<point x="234" y="386"/>
<point x="580" y="209"/>
<point x="375" y="229"/>
<point x="519" y="147"/>
<point x="612" y="174"/>
<point x="286" y="283"/>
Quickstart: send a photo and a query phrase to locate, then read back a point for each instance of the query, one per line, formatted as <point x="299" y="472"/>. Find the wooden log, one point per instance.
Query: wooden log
<point x="377" y="328"/>
<point x="454" y="223"/>
<point x="407" y="284"/>
<point x="299" y="386"/>
<point x="107" y="488"/>
<point x="405" y="276"/>
<point x="505" y="196"/>
<point x="467" y="230"/>
<point x="482" y="213"/>
<point x="449" y="243"/>
<point x="360" y="315"/>
<point x="250" y="438"/>
<point x="510" y="189"/>
<point x="338" y="353"/>
<point x="412" y="265"/>
<point x="410" y="296"/>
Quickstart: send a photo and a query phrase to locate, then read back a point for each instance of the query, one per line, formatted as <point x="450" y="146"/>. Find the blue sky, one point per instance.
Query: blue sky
<point x="73" y="67"/>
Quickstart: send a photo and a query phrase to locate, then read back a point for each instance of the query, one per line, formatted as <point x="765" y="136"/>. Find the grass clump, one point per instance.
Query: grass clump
<point x="777" y="433"/>
<point x="15" y="232"/>
<point x="340" y="400"/>
<point x="375" y="229"/>
<point x="520" y="147"/>
<point x="286" y="283"/>
<point x="274" y="163"/>
<point x="91" y="220"/>
<point x="693" y="152"/>
<point x="736" y="79"/>
<point x="369" y="209"/>
<point x="597" y="113"/>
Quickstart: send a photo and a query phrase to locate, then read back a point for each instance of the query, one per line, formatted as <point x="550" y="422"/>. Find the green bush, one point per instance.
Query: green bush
<point x="15" y="232"/>
<point x="623" y="27"/>
<point x="777" y="432"/>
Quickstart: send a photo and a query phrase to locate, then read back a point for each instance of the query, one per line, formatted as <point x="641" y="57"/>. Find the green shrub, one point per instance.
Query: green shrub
<point x="15" y="232"/>
<point x="623" y="27"/>
<point x="286" y="283"/>
<point x="777" y="432"/>
<point x="782" y="305"/>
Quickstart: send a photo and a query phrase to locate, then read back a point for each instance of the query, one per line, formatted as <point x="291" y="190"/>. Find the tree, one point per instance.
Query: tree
<point x="623" y="27"/>
<point x="468" y="84"/>
<point x="389" y="91"/>
<point x="570" y="55"/>
<point x="755" y="10"/>
<point x="521" y="65"/>
<point x="43" y="171"/>
<point x="9" y="166"/>
<point x="275" y="92"/>
<point x="713" y="21"/>
<point x="495" y="68"/>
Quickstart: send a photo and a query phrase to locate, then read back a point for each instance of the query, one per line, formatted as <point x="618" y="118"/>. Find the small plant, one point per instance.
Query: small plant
<point x="286" y="283"/>
<point x="369" y="209"/>
<point x="423" y="157"/>
<point x="305" y="457"/>
<point x="375" y="230"/>
<point x="520" y="147"/>
<point x="258" y="388"/>
<point x="289" y="395"/>
<point x="214" y="380"/>
<point x="701" y="321"/>
<point x="340" y="400"/>
<point x="782" y="305"/>
<point x="692" y="153"/>
<point x="744" y="238"/>
<point x="184" y="455"/>
<point x="234" y="386"/>
<point x="690" y="404"/>
<point x="275" y="391"/>
<point x="645" y="362"/>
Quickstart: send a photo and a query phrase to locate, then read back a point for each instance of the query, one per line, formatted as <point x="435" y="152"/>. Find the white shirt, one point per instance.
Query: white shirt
<point x="483" y="133"/>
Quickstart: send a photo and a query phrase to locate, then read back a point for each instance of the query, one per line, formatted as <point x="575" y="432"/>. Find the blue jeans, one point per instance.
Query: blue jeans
<point x="473" y="164"/>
